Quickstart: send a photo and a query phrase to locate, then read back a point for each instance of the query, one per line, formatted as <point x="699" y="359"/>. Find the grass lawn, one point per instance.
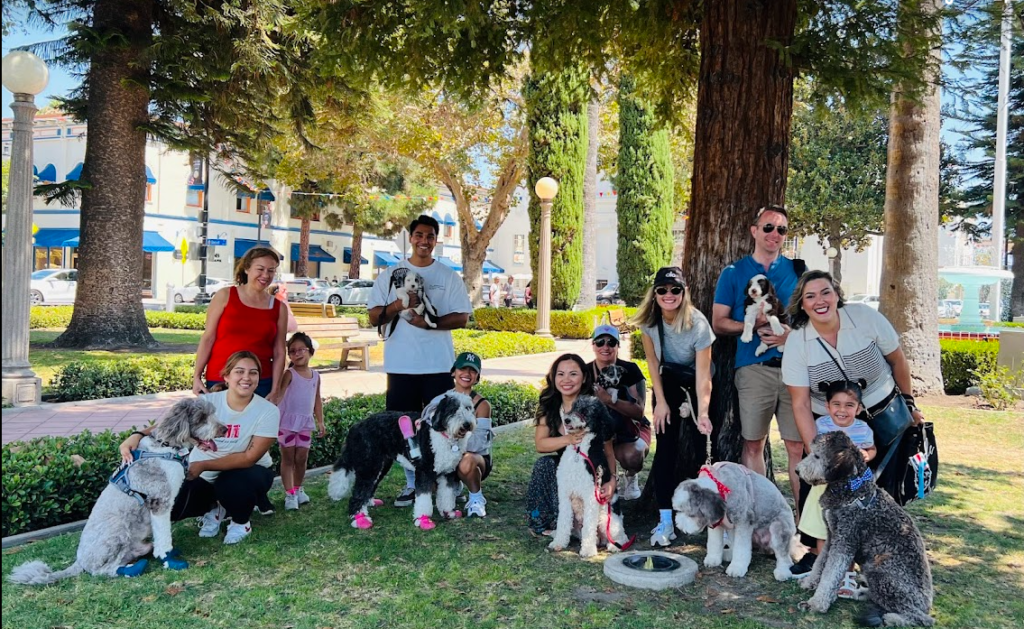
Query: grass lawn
<point x="310" y="570"/>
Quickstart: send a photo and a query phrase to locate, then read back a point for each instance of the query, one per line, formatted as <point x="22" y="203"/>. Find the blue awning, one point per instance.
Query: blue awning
<point x="347" y="257"/>
<point x="448" y="220"/>
<point x="316" y="253"/>
<point x="50" y="238"/>
<point x="383" y="258"/>
<point x="76" y="173"/>
<point x="490" y="267"/>
<point x="243" y="244"/>
<point x="436" y="215"/>
<point x="265" y="195"/>
<point x="47" y="175"/>
<point x="445" y="260"/>
<point x="151" y="179"/>
<point x="152" y="242"/>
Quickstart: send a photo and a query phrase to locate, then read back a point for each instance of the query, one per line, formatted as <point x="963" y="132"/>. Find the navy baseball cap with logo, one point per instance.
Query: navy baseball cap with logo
<point x="669" y="275"/>
<point x="468" y="359"/>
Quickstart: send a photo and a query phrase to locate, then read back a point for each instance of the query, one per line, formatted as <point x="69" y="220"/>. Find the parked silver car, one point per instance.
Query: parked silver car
<point x="188" y="292"/>
<point x="346" y="293"/>
<point x="53" y="286"/>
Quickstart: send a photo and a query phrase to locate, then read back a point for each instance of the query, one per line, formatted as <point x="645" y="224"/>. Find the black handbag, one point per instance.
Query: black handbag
<point x="920" y="474"/>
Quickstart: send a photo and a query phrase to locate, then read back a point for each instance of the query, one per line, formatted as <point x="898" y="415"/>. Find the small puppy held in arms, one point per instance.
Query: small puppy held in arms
<point x="865" y="526"/>
<point x="582" y="471"/>
<point x="375" y="443"/>
<point x="413" y="284"/>
<point x="729" y="497"/>
<point x="609" y="379"/>
<point x="761" y="300"/>
<point x="136" y="504"/>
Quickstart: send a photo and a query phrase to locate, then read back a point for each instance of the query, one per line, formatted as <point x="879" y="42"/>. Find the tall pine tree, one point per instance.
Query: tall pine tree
<point x="645" y="186"/>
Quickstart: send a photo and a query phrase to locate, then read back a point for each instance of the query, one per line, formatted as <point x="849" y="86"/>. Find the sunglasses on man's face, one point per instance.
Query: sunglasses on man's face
<point x="664" y="290"/>
<point x="769" y="228"/>
<point x="608" y="342"/>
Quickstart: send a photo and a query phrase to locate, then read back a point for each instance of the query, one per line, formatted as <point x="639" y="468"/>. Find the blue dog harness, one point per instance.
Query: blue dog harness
<point x="122" y="482"/>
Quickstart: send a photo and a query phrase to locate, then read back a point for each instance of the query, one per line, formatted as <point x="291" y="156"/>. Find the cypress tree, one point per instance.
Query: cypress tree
<point x="556" y="103"/>
<point x="645" y="187"/>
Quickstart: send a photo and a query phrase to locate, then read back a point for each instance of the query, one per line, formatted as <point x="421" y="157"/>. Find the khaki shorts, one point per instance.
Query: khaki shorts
<point x="762" y="395"/>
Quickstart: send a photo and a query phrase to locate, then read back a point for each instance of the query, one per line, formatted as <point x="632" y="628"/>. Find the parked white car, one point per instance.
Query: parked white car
<point x="299" y="287"/>
<point x="870" y="300"/>
<point x="53" y="286"/>
<point x="188" y="292"/>
<point x="347" y="293"/>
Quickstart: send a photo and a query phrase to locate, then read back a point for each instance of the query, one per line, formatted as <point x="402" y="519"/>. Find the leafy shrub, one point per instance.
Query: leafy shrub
<point x="1000" y="387"/>
<point x="354" y="311"/>
<point x="176" y="320"/>
<point x="49" y="317"/>
<point x="636" y="345"/>
<point x="564" y="324"/>
<point x="54" y="480"/>
<point x="133" y="376"/>
<point x="964" y="361"/>
<point x="193" y="309"/>
<point x="498" y="344"/>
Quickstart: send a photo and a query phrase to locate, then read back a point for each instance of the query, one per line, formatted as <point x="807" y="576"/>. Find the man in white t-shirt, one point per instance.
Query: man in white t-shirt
<point x="418" y="358"/>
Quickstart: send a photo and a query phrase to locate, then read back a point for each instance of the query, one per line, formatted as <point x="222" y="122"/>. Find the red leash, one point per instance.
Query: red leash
<point x="601" y="500"/>
<point x="723" y="491"/>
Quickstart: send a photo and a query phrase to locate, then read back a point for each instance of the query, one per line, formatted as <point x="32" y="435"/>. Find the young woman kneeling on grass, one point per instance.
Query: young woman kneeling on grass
<point x="227" y="482"/>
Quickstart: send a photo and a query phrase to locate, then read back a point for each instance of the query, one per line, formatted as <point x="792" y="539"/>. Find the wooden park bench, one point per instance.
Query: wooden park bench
<point x="617" y="317"/>
<point x="318" y="321"/>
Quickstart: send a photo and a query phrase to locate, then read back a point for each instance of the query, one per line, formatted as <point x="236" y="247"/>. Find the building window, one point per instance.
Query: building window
<point x="519" y="250"/>
<point x="243" y="204"/>
<point x="194" y="198"/>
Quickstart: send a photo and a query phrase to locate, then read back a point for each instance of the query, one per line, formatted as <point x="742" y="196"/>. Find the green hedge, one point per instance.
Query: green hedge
<point x="499" y="344"/>
<point x="636" y="345"/>
<point x="564" y="324"/>
<point x="186" y="309"/>
<point x="49" y="317"/>
<point x="45" y="485"/>
<point x="353" y="311"/>
<point x="963" y="361"/>
<point x="60" y="317"/>
<point x="132" y="376"/>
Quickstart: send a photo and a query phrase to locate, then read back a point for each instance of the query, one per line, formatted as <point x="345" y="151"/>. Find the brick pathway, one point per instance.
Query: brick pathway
<point x="71" y="418"/>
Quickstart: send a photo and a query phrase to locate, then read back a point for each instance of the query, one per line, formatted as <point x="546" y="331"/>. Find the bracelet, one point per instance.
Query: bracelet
<point x="138" y="432"/>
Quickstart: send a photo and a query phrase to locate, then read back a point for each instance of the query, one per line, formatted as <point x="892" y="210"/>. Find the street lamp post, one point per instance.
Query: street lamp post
<point x="832" y="253"/>
<point x="25" y="75"/>
<point x="546" y="190"/>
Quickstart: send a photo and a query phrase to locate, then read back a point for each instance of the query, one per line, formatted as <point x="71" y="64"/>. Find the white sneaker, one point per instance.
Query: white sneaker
<point x="303" y="498"/>
<point x="662" y="535"/>
<point x="476" y="508"/>
<point x="291" y="502"/>
<point x="631" y="488"/>
<point x="211" y="522"/>
<point x="237" y="532"/>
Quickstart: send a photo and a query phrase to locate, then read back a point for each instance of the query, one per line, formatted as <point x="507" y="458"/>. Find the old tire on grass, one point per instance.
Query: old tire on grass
<point x="671" y="571"/>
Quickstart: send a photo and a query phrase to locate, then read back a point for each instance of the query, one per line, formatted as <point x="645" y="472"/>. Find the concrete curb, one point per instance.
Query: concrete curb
<point x="21" y="539"/>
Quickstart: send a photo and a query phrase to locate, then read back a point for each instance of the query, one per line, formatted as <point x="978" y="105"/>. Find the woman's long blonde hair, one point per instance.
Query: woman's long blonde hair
<point x="649" y="312"/>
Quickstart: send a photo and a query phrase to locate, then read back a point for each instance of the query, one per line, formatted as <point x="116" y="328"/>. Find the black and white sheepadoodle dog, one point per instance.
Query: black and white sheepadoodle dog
<point x="761" y="299"/>
<point x="582" y="470"/>
<point x="376" y="442"/>
<point x="136" y="503"/>
<point x="865" y="526"/>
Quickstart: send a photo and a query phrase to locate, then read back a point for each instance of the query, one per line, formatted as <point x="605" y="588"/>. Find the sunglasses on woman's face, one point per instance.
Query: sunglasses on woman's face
<point x="769" y="228"/>
<point x="664" y="290"/>
<point x="608" y="342"/>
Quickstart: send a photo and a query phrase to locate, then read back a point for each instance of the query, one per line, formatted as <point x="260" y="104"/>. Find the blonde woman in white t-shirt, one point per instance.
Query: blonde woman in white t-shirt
<point x="227" y="482"/>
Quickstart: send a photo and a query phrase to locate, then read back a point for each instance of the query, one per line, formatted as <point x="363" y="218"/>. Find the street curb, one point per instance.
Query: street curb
<point x="21" y="539"/>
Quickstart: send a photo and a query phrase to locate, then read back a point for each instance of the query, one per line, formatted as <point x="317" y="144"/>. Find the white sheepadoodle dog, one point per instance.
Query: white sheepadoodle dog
<point x="582" y="470"/>
<point x="729" y="497"/>
<point x="412" y="284"/>
<point x="137" y="502"/>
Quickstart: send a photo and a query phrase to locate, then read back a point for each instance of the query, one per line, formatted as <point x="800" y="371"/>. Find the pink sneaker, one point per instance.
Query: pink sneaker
<point x="376" y="502"/>
<point x="424" y="522"/>
<point x="451" y="515"/>
<point x="361" y="521"/>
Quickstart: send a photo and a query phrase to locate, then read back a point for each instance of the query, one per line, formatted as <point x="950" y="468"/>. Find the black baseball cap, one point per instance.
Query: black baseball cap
<point x="669" y="275"/>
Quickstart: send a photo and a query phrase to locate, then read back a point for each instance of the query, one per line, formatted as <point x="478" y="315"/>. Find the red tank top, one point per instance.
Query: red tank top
<point x="244" y="328"/>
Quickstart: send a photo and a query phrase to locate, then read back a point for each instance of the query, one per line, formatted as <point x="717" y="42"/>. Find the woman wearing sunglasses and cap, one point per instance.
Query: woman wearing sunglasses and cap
<point x="677" y="342"/>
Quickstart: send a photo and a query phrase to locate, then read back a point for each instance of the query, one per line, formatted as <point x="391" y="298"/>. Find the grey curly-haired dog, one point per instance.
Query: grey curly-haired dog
<point x="137" y="502"/>
<point x="865" y="526"/>
<point x="727" y="496"/>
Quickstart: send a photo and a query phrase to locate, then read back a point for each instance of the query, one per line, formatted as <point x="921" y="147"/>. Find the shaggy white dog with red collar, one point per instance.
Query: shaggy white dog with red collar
<point x="582" y="470"/>
<point x="729" y="497"/>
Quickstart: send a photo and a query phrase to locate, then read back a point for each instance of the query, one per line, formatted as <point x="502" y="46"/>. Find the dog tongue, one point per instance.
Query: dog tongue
<point x="209" y="445"/>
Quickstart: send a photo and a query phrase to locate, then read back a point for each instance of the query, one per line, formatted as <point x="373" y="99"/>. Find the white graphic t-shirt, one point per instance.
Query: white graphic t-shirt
<point x="412" y="350"/>
<point x="259" y="419"/>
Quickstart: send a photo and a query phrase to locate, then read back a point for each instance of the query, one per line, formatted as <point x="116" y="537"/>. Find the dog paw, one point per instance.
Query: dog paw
<point x="808" y="583"/>
<point x="712" y="562"/>
<point x="815" y="605"/>
<point x="736" y="571"/>
<point x="746" y="337"/>
<point x="424" y="522"/>
<point x="783" y="574"/>
<point x="133" y="569"/>
<point x="587" y="553"/>
<point x="173" y="563"/>
<point x="555" y="547"/>
<point x="376" y="502"/>
<point x="451" y="515"/>
<point x="361" y="521"/>
<point x="762" y="348"/>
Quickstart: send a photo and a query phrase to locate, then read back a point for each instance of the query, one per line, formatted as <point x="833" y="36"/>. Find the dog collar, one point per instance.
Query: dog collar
<point x="120" y="477"/>
<point x="856" y="483"/>
<point x="723" y="490"/>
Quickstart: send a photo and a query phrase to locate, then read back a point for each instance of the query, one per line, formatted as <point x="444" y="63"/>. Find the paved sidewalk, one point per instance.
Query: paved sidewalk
<point x="71" y="418"/>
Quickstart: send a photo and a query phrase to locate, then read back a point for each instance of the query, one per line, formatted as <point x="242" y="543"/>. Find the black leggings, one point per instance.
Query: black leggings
<point x="236" y="490"/>
<point x="412" y="392"/>
<point x="680" y="451"/>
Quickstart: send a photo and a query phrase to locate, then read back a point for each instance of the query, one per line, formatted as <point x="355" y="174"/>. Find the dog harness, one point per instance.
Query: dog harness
<point x="723" y="490"/>
<point x="120" y="477"/>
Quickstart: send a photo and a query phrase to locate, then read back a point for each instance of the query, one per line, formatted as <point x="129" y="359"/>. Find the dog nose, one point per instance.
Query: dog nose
<point x="222" y="430"/>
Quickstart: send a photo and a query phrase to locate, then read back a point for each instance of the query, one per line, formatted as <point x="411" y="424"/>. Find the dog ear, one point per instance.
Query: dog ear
<point x="843" y="458"/>
<point x="445" y="409"/>
<point x="710" y="505"/>
<point x="175" y="427"/>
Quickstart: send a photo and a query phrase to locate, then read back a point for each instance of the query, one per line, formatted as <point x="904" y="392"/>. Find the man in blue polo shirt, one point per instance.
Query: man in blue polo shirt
<point x="762" y="393"/>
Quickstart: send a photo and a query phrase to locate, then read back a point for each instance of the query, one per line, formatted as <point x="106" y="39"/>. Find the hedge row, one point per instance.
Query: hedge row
<point x="53" y="480"/>
<point x="499" y="344"/>
<point x="564" y="324"/>
<point x="132" y="376"/>
<point x="962" y="361"/>
<point x="60" y="317"/>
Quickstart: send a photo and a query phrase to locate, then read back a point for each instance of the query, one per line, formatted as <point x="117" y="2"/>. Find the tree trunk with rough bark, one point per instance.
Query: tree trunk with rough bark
<point x="744" y="106"/>
<point x="910" y="254"/>
<point x="1016" y="296"/>
<point x="357" y="252"/>
<point x="302" y="266"/>
<point x="588" y="286"/>
<point x="108" y="304"/>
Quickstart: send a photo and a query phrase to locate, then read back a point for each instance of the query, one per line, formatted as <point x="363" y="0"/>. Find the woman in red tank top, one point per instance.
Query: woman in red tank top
<point x="245" y="317"/>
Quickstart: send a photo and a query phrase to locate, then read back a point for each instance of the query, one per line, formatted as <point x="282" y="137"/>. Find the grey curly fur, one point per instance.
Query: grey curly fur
<point x="866" y="526"/>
